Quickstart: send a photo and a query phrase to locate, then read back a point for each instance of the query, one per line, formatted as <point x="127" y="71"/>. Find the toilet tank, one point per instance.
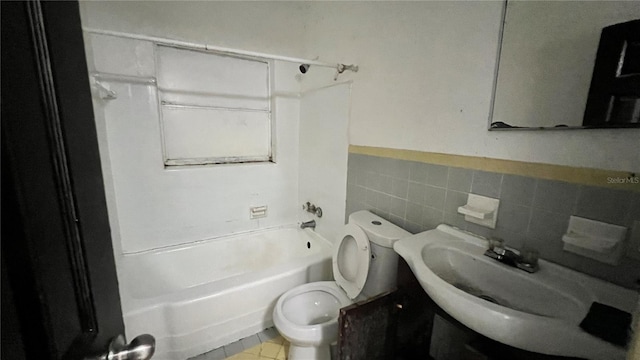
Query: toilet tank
<point x="380" y="231"/>
<point x="383" y="269"/>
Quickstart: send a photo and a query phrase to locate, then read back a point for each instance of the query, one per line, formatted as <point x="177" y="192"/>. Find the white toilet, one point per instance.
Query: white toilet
<point x="364" y="265"/>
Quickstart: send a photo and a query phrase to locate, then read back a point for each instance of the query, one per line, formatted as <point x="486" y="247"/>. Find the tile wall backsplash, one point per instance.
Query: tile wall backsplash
<point x="534" y="213"/>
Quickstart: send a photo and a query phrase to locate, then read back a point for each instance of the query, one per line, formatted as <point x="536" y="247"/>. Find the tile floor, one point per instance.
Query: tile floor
<point x="266" y="345"/>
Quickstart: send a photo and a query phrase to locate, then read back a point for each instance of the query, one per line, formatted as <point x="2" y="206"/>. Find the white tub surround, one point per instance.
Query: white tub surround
<point x="152" y="205"/>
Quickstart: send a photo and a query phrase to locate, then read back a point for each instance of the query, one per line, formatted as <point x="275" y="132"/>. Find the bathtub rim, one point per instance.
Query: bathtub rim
<point x="132" y="305"/>
<point x="176" y="247"/>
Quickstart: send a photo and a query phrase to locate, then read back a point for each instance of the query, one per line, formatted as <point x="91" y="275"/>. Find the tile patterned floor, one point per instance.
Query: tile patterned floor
<point x="266" y="345"/>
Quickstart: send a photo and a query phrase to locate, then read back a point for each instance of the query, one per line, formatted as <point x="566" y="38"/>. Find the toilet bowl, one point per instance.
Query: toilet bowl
<point x="364" y="265"/>
<point x="307" y="316"/>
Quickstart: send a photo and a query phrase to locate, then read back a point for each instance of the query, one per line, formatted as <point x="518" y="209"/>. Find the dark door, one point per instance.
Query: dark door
<point x="59" y="288"/>
<point x="367" y="329"/>
<point x="614" y="95"/>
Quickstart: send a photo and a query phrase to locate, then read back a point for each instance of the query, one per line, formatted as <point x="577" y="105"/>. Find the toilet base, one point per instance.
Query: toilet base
<point x="296" y="352"/>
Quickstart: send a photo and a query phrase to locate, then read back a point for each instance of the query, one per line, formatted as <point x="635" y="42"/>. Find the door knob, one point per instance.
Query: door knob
<point x="141" y="348"/>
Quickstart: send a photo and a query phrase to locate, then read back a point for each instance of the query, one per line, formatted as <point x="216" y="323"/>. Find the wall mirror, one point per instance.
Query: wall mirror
<point x="546" y="61"/>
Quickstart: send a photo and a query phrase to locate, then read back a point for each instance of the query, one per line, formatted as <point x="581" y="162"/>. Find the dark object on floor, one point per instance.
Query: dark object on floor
<point x="608" y="323"/>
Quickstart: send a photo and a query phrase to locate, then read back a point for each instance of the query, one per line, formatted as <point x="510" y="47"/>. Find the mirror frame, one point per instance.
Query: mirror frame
<point x="494" y="90"/>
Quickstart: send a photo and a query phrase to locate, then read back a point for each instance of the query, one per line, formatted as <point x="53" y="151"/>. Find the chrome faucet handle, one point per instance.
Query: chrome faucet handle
<point x="528" y="261"/>
<point x="496" y="243"/>
<point x="529" y="257"/>
<point x="500" y="250"/>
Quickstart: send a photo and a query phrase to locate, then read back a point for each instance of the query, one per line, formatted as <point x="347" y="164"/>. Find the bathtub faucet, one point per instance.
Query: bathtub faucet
<point x="308" y="224"/>
<point x="527" y="260"/>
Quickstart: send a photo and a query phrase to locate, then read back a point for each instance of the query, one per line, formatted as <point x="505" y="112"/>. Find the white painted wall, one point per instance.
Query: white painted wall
<point x="154" y="206"/>
<point x="269" y="27"/>
<point x="425" y="81"/>
<point x="324" y="147"/>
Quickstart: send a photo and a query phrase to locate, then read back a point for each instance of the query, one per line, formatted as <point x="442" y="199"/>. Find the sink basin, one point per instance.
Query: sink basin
<point x="538" y="312"/>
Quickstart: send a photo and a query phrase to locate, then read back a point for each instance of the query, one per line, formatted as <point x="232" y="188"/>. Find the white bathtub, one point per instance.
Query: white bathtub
<point x="198" y="297"/>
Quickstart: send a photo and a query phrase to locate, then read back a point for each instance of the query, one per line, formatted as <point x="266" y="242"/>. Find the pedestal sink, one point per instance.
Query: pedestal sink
<point x="538" y="312"/>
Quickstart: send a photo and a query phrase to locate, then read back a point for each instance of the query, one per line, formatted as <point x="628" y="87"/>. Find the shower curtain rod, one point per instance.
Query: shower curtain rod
<point x="339" y="67"/>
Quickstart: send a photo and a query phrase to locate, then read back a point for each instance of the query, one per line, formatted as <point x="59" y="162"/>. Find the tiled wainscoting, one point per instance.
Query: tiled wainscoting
<point x="533" y="213"/>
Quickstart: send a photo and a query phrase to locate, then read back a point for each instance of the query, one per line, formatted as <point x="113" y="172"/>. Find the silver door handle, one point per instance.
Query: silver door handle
<point x="140" y="348"/>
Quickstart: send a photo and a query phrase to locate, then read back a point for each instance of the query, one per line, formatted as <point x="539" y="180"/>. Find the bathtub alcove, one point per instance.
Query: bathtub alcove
<point x="196" y="297"/>
<point x="195" y="270"/>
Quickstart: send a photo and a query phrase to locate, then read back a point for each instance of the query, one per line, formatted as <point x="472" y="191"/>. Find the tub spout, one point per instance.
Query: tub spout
<point x="308" y="224"/>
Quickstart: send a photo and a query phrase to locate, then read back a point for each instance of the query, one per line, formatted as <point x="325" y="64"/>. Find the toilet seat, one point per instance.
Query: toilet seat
<point x="351" y="260"/>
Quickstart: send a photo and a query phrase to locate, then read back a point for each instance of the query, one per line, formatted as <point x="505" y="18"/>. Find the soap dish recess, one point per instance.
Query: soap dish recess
<point x="481" y="210"/>
<point x="475" y="212"/>
<point x="595" y="239"/>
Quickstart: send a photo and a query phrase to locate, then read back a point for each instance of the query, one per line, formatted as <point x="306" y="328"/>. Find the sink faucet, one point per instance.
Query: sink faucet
<point x="308" y="224"/>
<point x="527" y="261"/>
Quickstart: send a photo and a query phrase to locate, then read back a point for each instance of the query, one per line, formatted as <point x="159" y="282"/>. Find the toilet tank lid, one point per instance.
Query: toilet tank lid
<point x="379" y="230"/>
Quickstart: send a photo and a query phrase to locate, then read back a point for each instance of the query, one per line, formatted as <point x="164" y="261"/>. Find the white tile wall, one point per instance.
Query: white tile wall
<point x="324" y="120"/>
<point x="151" y="206"/>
